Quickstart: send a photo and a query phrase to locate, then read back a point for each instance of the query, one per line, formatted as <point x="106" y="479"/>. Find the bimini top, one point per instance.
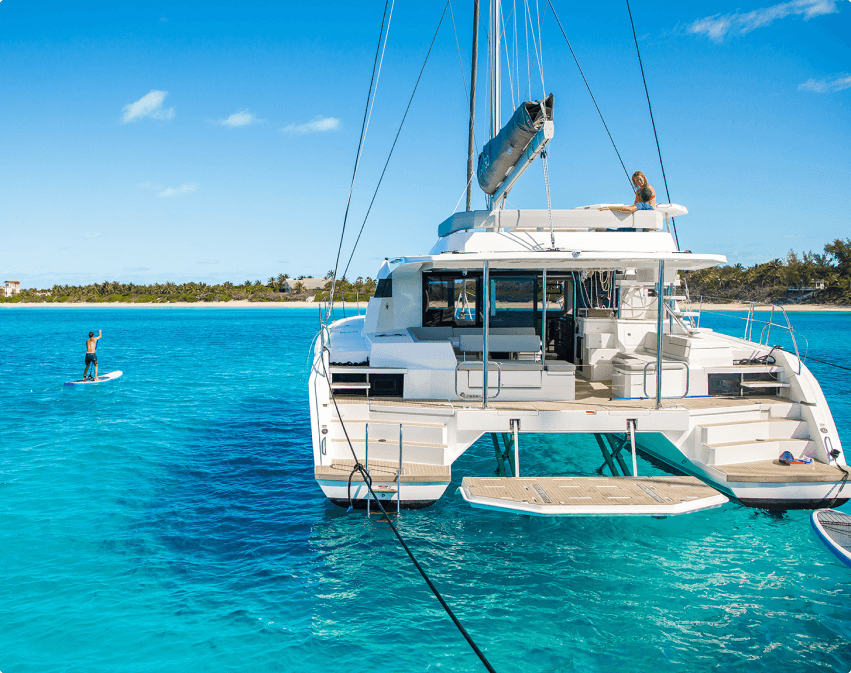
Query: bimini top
<point x="556" y="259"/>
<point x="586" y="218"/>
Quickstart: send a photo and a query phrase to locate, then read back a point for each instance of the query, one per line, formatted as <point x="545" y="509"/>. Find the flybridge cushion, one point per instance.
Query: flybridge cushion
<point x="502" y="152"/>
<point x="501" y="343"/>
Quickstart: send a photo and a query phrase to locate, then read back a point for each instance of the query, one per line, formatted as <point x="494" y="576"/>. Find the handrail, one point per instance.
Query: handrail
<point x="765" y="334"/>
<point x="668" y="362"/>
<point x="768" y="326"/>
<point x="480" y="397"/>
<point x="688" y="330"/>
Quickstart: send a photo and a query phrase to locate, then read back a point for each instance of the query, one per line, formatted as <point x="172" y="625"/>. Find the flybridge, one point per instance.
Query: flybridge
<point x="578" y="219"/>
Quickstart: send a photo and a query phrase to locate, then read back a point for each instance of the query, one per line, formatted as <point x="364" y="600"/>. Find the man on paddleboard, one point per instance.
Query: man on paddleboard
<point x="91" y="355"/>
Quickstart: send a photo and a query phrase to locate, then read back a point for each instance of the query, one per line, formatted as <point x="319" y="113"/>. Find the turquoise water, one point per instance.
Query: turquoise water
<point x="169" y="521"/>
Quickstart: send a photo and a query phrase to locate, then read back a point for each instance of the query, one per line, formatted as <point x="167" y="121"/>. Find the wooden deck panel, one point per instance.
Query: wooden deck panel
<point x="384" y="471"/>
<point x="774" y="472"/>
<point x="591" y="490"/>
<point x="576" y="496"/>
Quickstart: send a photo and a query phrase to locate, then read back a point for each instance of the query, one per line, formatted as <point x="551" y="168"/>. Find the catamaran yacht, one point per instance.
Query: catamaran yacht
<point x="562" y="322"/>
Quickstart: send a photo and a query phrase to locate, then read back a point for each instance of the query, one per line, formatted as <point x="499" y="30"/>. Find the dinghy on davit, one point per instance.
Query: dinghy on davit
<point x="834" y="529"/>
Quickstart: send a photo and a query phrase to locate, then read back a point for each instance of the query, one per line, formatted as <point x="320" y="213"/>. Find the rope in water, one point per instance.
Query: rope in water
<point x="368" y="481"/>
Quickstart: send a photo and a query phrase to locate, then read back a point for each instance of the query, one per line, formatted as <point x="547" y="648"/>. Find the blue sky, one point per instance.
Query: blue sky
<point x="188" y="141"/>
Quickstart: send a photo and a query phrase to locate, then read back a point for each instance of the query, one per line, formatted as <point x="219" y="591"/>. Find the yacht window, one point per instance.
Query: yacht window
<point x="464" y="296"/>
<point x="384" y="289"/>
<point x="512" y="301"/>
<point x="451" y="299"/>
<point x="438" y="292"/>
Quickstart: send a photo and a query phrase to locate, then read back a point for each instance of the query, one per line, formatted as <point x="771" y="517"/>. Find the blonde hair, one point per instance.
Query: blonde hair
<point x="639" y="174"/>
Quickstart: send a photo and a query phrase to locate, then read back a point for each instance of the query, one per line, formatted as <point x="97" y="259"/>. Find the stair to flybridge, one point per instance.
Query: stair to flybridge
<point x="734" y="441"/>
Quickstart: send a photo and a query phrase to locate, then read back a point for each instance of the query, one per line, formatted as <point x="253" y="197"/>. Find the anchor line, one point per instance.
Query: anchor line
<point x="360" y="468"/>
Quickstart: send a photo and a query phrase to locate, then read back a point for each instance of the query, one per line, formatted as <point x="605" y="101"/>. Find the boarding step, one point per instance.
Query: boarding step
<point x="583" y="496"/>
<point x="412" y="431"/>
<point x="350" y="385"/>
<point x="729" y="453"/>
<point x="775" y="472"/>
<point x="753" y="385"/>
<point x="384" y="472"/>
<point x="381" y="449"/>
<point x="752" y="430"/>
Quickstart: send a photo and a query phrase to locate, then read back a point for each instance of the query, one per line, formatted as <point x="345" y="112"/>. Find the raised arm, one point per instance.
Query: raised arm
<point x="620" y="209"/>
<point x="100" y="334"/>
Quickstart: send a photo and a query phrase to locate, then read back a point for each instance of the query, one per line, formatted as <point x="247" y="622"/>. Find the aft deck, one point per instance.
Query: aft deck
<point x="590" y="395"/>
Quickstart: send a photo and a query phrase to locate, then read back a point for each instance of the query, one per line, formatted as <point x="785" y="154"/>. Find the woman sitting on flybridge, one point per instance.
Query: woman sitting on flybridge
<point x="642" y="202"/>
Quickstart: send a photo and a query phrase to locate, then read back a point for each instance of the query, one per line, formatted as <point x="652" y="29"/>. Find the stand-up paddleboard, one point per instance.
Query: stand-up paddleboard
<point x="100" y="379"/>
<point x="834" y="529"/>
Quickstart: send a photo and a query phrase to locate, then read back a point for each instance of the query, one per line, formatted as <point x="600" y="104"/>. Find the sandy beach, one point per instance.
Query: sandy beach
<point x="810" y="308"/>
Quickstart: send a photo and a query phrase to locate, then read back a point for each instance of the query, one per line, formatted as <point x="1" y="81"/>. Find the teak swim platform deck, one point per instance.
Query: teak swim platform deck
<point x="607" y="496"/>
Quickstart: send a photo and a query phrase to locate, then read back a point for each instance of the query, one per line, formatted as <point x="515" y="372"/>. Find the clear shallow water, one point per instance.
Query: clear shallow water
<point x="169" y="521"/>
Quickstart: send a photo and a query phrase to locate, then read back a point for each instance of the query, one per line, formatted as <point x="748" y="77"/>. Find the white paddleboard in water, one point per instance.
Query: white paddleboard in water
<point x="834" y="529"/>
<point x="100" y="379"/>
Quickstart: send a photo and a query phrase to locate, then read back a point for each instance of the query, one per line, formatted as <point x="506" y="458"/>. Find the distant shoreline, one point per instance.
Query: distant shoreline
<point x="235" y="303"/>
<point x="792" y="308"/>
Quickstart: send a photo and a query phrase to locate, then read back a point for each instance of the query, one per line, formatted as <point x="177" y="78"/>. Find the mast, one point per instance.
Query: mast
<point x="473" y="74"/>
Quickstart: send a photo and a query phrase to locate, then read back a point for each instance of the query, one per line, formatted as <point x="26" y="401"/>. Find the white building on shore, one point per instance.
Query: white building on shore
<point x="11" y="288"/>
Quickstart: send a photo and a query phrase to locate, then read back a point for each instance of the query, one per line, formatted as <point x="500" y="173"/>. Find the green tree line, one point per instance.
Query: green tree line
<point x="273" y="290"/>
<point x="771" y="281"/>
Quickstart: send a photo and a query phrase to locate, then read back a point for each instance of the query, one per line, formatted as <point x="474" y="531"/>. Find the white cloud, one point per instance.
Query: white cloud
<point x="149" y="105"/>
<point x="826" y="85"/>
<point x="318" y="125"/>
<point x="149" y="185"/>
<point x="188" y="188"/>
<point x="243" y="118"/>
<point x="717" y="27"/>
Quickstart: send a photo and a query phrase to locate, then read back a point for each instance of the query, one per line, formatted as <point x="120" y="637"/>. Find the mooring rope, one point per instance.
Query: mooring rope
<point x="368" y="482"/>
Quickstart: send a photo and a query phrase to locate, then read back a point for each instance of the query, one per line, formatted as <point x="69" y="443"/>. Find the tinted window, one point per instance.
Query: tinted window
<point x="384" y="288"/>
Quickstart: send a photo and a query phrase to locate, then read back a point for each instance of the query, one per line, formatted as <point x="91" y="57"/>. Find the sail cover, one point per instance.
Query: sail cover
<point x="503" y="151"/>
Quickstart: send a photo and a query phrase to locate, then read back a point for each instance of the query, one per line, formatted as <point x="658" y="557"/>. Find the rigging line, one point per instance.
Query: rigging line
<point x="528" y="64"/>
<point x="516" y="53"/>
<point x="824" y="362"/>
<point x="541" y="45"/>
<point x="367" y="481"/>
<point x="461" y="62"/>
<point x="652" y="121"/>
<point x="364" y="124"/>
<point x="594" y="100"/>
<point x="508" y="58"/>
<point x="534" y="47"/>
<point x="396" y="139"/>
<point x="463" y="193"/>
<point x="458" y="46"/>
